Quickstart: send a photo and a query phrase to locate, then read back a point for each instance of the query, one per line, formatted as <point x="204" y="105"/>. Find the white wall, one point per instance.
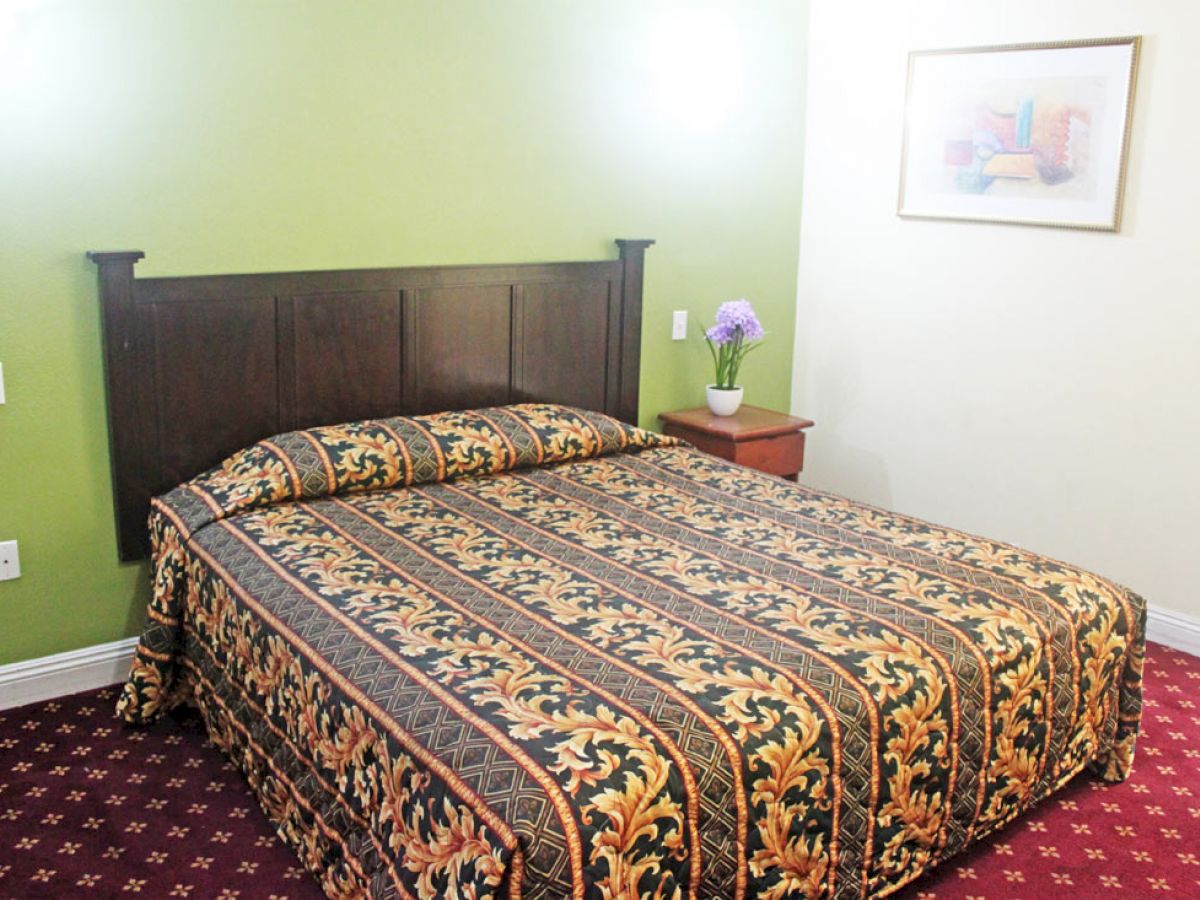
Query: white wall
<point x="1035" y="385"/>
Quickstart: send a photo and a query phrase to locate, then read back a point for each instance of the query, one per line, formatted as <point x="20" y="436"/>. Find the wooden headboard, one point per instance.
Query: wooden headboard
<point x="199" y="367"/>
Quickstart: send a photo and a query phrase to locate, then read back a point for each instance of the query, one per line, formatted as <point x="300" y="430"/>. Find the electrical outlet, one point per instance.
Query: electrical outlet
<point x="679" y="325"/>
<point x="10" y="562"/>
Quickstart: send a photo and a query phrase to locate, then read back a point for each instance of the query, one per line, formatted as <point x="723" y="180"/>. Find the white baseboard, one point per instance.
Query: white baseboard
<point x="65" y="673"/>
<point x="1164" y="626"/>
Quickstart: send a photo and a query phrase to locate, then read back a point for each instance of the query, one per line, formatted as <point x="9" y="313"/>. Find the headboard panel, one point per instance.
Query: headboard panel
<point x="198" y="367"/>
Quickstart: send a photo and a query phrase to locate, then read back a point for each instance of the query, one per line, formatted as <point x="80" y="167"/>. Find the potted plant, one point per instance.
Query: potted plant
<point x="736" y="332"/>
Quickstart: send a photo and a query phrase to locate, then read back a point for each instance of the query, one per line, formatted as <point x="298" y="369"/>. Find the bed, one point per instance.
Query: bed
<point x="530" y="650"/>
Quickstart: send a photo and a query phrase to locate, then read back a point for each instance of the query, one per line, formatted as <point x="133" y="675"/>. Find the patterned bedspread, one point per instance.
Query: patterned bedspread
<point x="534" y="652"/>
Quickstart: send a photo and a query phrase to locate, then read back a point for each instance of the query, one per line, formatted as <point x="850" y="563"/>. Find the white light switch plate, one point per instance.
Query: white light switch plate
<point x="1" y="383"/>
<point x="10" y="563"/>
<point x="679" y="325"/>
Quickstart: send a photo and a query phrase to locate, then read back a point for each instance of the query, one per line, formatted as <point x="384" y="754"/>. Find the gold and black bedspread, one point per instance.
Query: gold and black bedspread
<point x="534" y="652"/>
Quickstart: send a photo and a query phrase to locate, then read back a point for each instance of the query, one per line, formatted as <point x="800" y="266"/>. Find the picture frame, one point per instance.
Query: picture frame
<point x="1028" y="134"/>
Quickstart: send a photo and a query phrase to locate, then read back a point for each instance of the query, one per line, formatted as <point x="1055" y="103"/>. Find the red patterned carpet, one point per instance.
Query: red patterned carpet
<point x="89" y="808"/>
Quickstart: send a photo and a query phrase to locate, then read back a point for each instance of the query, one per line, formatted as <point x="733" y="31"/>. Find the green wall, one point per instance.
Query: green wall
<point x="244" y="135"/>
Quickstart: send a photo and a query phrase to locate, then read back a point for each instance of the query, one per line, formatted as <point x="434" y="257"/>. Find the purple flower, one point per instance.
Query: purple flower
<point x="719" y="334"/>
<point x="736" y="333"/>
<point x="734" y="317"/>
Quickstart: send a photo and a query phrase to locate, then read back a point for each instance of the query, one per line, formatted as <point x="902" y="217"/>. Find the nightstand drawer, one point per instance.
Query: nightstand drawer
<point x="783" y="455"/>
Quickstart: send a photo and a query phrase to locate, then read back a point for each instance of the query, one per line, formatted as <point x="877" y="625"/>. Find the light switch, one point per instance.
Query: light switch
<point x="1" y="383"/>
<point x="679" y="325"/>
<point x="10" y="563"/>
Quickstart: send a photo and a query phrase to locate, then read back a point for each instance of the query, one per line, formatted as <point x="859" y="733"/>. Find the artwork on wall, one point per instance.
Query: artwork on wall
<point x="1034" y="134"/>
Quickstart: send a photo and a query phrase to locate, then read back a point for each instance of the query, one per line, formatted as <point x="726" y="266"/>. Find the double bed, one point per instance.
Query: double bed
<point x="526" y="649"/>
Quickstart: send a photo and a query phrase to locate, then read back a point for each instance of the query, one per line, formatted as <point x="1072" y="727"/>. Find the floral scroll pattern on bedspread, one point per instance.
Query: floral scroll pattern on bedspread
<point x="534" y="652"/>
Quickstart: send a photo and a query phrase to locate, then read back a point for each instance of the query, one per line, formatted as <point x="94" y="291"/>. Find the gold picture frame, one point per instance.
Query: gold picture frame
<point x="1021" y="134"/>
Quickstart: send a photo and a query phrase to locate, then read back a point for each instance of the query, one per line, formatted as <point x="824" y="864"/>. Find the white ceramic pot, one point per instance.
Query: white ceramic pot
<point x="723" y="401"/>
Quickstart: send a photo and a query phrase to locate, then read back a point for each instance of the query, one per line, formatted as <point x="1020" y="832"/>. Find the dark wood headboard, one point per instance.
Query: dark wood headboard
<point x="199" y="367"/>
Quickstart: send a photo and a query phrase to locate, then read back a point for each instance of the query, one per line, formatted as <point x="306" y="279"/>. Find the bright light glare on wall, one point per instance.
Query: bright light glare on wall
<point x="698" y="68"/>
<point x="13" y="16"/>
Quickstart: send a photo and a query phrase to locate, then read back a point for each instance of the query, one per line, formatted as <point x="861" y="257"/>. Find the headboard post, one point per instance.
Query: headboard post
<point x="633" y="259"/>
<point x="121" y="349"/>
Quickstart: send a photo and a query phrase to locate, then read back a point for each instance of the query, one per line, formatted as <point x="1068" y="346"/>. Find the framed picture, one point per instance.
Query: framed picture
<point x="1034" y="134"/>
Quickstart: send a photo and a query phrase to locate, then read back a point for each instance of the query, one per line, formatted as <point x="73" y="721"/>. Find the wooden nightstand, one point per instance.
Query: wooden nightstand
<point x="768" y="441"/>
